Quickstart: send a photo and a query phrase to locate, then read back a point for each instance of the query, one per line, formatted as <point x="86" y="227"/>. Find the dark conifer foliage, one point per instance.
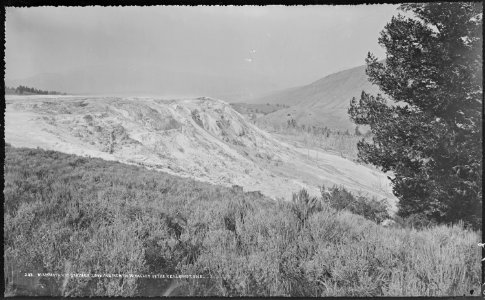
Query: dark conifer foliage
<point x="30" y="90"/>
<point x="430" y="137"/>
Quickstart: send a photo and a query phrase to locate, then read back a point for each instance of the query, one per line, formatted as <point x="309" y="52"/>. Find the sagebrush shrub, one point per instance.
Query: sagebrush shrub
<point x="108" y="217"/>
<point x="370" y="208"/>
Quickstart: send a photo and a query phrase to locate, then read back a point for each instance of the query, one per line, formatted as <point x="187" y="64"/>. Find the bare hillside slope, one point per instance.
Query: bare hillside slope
<point x="200" y="138"/>
<point x="321" y="103"/>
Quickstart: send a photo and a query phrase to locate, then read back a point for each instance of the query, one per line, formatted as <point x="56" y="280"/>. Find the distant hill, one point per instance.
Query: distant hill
<point x="321" y="103"/>
<point x="148" y="81"/>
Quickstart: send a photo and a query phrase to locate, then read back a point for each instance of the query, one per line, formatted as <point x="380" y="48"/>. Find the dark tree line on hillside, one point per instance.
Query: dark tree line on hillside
<point x="292" y="123"/>
<point x="431" y="139"/>
<point x="29" y="90"/>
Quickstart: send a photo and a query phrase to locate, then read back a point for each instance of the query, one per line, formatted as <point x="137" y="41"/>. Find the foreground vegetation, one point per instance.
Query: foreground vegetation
<point x="65" y="213"/>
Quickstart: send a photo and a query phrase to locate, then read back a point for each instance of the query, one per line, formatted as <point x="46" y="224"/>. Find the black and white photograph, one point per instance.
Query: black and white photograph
<point x="307" y="150"/>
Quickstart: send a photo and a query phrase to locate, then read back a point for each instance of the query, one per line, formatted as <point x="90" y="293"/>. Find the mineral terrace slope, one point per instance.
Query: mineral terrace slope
<point x="200" y="138"/>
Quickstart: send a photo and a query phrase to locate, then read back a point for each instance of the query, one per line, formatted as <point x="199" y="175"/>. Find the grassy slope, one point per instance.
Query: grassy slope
<point x="107" y="217"/>
<point x="339" y="143"/>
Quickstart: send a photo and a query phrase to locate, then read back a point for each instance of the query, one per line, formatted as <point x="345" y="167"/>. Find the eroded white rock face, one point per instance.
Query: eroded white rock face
<point x="201" y="138"/>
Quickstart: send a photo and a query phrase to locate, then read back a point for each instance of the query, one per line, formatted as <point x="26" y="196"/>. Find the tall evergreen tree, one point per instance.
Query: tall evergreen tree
<point x="427" y="127"/>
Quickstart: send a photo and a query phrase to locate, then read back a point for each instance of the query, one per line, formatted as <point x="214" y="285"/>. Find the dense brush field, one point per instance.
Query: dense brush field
<point x="86" y="215"/>
<point x="340" y="143"/>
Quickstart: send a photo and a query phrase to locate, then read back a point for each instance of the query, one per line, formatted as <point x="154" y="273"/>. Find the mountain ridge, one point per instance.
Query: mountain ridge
<point x="323" y="102"/>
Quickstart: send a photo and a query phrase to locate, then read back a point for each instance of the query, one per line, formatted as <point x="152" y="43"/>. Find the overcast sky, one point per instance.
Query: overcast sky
<point x="290" y="45"/>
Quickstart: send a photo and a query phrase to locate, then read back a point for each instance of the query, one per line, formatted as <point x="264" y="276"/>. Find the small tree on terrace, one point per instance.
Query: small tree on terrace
<point x="431" y="137"/>
<point x="357" y="131"/>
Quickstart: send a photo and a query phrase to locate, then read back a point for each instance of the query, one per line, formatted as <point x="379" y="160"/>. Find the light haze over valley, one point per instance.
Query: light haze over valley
<point x="227" y="52"/>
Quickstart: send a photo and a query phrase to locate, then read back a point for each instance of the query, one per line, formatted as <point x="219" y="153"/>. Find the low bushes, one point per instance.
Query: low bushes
<point x="370" y="208"/>
<point x="64" y="214"/>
